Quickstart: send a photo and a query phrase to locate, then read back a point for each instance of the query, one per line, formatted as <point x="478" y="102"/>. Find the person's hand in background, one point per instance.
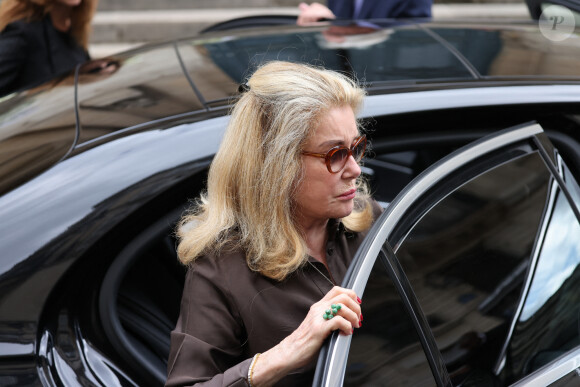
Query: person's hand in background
<point x="312" y="13"/>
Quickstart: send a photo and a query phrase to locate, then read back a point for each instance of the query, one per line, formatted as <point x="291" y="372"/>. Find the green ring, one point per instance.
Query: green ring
<point x="330" y="313"/>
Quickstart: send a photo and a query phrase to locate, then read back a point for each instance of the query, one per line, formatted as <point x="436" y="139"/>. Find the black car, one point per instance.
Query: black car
<point x="468" y="278"/>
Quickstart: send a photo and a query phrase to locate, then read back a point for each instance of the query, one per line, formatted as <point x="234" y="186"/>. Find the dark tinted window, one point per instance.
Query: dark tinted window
<point x="386" y="350"/>
<point x="548" y="325"/>
<point x="467" y="260"/>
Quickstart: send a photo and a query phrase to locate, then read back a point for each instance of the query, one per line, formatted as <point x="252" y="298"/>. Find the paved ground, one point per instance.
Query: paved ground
<point x="114" y="31"/>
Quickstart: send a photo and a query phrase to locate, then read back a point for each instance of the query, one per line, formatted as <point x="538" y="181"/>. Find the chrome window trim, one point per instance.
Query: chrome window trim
<point x="338" y="353"/>
<point x="552" y="371"/>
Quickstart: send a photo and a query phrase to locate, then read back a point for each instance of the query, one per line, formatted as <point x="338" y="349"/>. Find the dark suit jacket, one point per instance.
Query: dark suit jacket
<point x="381" y="9"/>
<point x="35" y="52"/>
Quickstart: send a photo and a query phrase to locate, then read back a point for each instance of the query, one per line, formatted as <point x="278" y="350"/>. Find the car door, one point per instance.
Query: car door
<point x="470" y="276"/>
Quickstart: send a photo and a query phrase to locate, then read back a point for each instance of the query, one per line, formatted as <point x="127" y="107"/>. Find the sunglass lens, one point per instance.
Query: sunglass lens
<point x="359" y="150"/>
<point x="338" y="159"/>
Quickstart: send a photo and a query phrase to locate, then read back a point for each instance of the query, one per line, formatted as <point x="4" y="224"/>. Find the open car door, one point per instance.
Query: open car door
<point x="471" y="276"/>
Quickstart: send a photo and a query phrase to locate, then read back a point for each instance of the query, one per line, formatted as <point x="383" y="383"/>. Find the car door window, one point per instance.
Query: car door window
<point x="548" y="325"/>
<point x="386" y="350"/>
<point x="470" y="237"/>
<point x="467" y="259"/>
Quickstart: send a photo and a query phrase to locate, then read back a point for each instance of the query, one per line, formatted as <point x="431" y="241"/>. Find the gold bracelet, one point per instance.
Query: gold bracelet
<point x="251" y="369"/>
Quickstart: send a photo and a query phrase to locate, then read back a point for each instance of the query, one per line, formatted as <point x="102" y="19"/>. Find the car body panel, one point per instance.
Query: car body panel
<point x="48" y="217"/>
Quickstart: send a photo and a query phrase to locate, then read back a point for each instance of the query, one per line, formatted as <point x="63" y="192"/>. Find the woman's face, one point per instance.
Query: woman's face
<point x="322" y="195"/>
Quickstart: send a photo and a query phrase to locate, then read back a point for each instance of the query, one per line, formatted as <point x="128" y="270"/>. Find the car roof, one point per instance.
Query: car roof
<point x="388" y="54"/>
<point x="193" y="78"/>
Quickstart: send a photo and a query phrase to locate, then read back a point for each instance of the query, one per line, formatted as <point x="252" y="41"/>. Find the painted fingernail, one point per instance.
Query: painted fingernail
<point x="359" y="300"/>
<point x="361" y="317"/>
<point x="352" y="331"/>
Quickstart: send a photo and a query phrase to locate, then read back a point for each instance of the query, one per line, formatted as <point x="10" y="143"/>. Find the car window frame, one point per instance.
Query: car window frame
<point x="553" y="371"/>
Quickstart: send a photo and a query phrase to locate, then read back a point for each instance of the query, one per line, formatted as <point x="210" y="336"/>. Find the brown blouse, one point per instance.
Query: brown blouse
<point x="229" y="313"/>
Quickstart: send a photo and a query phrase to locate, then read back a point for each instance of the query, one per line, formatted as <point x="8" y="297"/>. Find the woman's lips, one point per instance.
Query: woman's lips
<point x="348" y="195"/>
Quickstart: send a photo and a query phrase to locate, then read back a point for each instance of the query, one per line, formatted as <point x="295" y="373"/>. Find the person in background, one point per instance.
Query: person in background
<point x="41" y="39"/>
<point x="364" y="9"/>
<point x="273" y="236"/>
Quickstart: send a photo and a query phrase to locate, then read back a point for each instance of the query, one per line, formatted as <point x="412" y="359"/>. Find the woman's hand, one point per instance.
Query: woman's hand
<point x="312" y="13"/>
<point x="299" y="348"/>
<point x="305" y="342"/>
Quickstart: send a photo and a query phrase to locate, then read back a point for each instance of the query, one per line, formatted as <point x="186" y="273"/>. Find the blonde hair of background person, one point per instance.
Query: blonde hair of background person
<point x="32" y="10"/>
<point x="253" y="176"/>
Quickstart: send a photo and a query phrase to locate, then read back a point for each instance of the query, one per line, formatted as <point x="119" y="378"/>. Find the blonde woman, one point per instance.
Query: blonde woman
<point x="40" y="39"/>
<point x="272" y="237"/>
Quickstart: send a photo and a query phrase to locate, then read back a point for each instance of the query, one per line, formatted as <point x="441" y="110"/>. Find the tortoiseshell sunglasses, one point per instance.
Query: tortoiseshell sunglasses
<point x="337" y="156"/>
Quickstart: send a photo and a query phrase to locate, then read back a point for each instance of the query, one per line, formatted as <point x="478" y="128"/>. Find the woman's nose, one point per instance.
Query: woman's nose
<point x="352" y="168"/>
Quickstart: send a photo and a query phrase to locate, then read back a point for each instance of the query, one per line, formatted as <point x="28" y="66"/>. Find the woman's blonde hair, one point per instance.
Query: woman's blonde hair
<point x="33" y="10"/>
<point x="253" y="177"/>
